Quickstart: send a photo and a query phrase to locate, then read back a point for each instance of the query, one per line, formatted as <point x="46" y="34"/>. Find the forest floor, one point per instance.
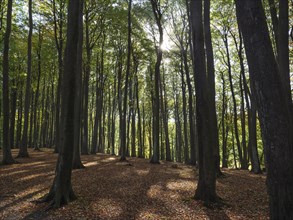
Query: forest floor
<point x="109" y="189"/>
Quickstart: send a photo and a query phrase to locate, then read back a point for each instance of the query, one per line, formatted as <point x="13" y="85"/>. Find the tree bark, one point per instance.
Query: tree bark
<point x="225" y="130"/>
<point x="13" y="113"/>
<point x="76" y="163"/>
<point x="206" y="189"/>
<point x="283" y="47"/>
<point x="58" y="35"/>
<point x="275" y="111"/>
<point x="236" y="132"/>
<point x="211" y="82"/>
<point x="61" y="192"/>
<point x="7" y="156"/>
<point x="23" y="147"/>
<point x="35" y="121"/>
<point x="156" y="107"/>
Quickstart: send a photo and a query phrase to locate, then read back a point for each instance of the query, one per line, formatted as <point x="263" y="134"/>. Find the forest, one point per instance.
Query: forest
<point x="146" y="109"/>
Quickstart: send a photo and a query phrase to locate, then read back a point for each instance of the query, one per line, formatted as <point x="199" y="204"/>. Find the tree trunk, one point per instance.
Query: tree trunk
<point x="35" y="141"/>
<point x="7" y="156"/>
<point x="184" y="112"/>
<point x="178" y="132"/>
<point x="124" y="112"/>
<point x="13" y="114"/>
<point x="76" y="163"/>
<point x="193" y="140"/>
<point x="255" y="165"/>
<point x="58" y="35"/>
<point x="224" y="129"/>
<point x="236" y="132"/>
<point x="283" y="47"/>
<point x="23" y="147"/>
<point x="31" y="119"/>
<point x="275" y="109"/>
<point x="206" y="189"/>
<point x="156" y="108"/>
<point x="61" y="191"/>
<point x="211" y="82"/>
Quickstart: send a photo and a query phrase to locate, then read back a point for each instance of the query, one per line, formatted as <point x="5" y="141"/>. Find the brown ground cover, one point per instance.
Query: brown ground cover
<point x="109" y="189"/>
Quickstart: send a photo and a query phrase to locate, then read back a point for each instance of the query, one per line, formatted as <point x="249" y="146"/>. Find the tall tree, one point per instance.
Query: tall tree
<point x="235" y="118"/>
<point x="7" y="156"/>
<point x="35" y="121"/>
<point x="77" y="164"/>
<point x="274" y="107"/>
<point x="206" y="189"/>
<point x="61" y="191"/>
<point x="58" y="36"/>
<point x="211" y="83"/>
<point x="23" y="147"/>
<point x="125" y="104"/>
<point x="156" y="6"/>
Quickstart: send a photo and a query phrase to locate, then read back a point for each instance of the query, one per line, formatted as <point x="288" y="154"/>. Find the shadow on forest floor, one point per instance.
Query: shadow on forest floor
<point x="109" y="189"/>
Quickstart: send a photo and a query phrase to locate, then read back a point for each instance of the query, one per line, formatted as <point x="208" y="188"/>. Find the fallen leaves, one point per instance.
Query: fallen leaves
<point x="109" y="189"/>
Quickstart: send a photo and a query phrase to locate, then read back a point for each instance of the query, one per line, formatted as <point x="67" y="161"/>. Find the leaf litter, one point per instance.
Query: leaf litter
<point x="109" y="189"/>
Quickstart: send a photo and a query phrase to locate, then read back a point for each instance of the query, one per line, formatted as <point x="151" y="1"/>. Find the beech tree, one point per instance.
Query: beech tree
<point x="156" y="6"/>
<point x="274" y="107"/>
<point x="61" y="191"/>
<point x="7" y="156"/>
<point x="205" y="110"/>
<point x="24" y="141"/>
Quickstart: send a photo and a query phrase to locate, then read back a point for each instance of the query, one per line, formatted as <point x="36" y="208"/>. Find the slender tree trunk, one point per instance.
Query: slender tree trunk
<point x="139" y="124"/>
<point x="59" y="45"/>
<point x="178" y="132"/>
<point x="183" y="87"/>
<point x="31" y="119"/>
<point x="255" y="164"/>
<point x="193" y="140"/>
<point x="13" y="114"/>
<point x="123" y="119"/>
<point x="156" y="107"/>
<point x="97" y="113"/>
<point x="192" y="125"/>
<point x="19" y="119"/>
<point x="23" y="147"/>
<point x="35" y="142"/>
<point x="164" y="110"/>
<point x="236" y="132"/>
<point x="224" y="129"/>
<point x="113" y="117"/>
<point x="7" y="156"/>
<point x="133" y="118"/>
<point x="76" y="163"/>
<point x="211" y="82"/>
